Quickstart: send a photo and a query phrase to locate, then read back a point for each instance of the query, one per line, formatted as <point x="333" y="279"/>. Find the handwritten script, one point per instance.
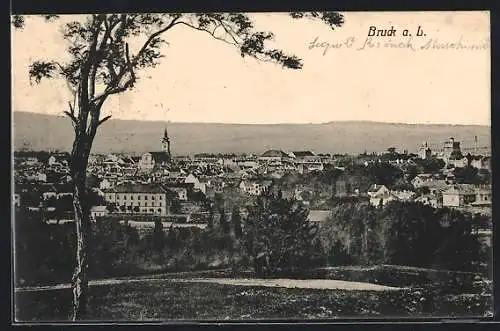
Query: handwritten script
<point x="399" y="39"/>
<point x="409" y="43"/>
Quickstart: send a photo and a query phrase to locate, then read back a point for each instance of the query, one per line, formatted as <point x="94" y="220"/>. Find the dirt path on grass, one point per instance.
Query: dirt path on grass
<point x="318" y="284"/>
<point x="321" y="284"/>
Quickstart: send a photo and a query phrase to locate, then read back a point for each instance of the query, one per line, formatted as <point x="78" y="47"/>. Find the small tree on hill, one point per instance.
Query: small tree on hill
<point x="223" y="222"/>
<point x="278" y="235"/>
<point x="158" y="236"/>
<point x="236" y="222"/>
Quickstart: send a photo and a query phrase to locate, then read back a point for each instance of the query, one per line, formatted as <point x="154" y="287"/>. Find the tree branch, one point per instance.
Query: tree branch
<point x="103" y="120"/>
<point x="131" y="63"/>
<point x="132" y="78"/>
<point x="210" y="33"/>
<point x="100" y="49"/>
<point x="231" y="33"/>
<point x="73" y="118"/>
<point x="83" y="91"/>
<point x="152" y="37"/>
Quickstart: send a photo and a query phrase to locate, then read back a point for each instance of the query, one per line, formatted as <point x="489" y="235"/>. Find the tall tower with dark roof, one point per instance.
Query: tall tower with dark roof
<point x="166" y="143"/>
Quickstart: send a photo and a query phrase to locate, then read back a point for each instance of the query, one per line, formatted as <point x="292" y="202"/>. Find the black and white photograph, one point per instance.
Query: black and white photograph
<point x="244" y="166"/>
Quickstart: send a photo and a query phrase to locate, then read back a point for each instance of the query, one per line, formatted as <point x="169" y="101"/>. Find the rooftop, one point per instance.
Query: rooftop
<point x="136" y="188"/>
<point x="274" y="153"/>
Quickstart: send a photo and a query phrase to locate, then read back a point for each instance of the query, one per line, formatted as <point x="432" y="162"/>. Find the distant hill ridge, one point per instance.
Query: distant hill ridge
<point x="43" y="132"/>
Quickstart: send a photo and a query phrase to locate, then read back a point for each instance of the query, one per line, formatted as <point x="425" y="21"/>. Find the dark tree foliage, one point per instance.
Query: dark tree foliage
<point x="40" y="250"/>
<point x="484" y="176"/>
<point x="411" y="171"/>
<point x="278" y="236"/>
<point x="384" y="174"/>
<point x="158" y="236"/>
<point x="430" y="165"/>
<point x="467" y="175"/>
<point x="351" y="234"/>
<point x="223" y="222"/>
<point x="175" y="206"/>
<point x="236" y="223"/>
<point x="404" y="233"/>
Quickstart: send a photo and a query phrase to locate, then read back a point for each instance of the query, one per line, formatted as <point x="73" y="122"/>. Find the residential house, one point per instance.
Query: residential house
<point x="138" y="198"/>
<point x="430" y="200"/>
<point x="304" y="155"/>
<point x="458" y="161"/>
<point x="483" y="196"/>
<point x="246" y="163"/>
<point x="377" y="189"/>
<point x="382" y="199"/>
<point x="424" y="151"/>
<point x="106" y="184"/>
<point x="305" y="167"/>
<point x="404" y="195"/>
<point x="435" y="183"/>
<point x="151" y="160"/>
<point x="451" y="147"/>
<point x="98" y="211"/>
<point x="274" y="156"/>
<point x="380" y="195"/>
<point x="60" y="159"/>
<point x="420" y="180"/>
<point x="459" y="195"/>
<point x="254" y="187"/>
<point x="198" y="184"/>
<point x="111" y="164"/>
<point x="41" y="177"/>
<point x="180" y="191"/>
<point x="217" y="185"/>
<point x="481" y="162"/>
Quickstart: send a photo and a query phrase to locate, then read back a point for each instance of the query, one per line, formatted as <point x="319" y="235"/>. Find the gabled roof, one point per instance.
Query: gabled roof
<point x="424" y="176"/>
<point x="425" y="197"/>
<point x="176" y="184"/>
<point x="460" y="189"/>
<point x="385" y="196"/>
<point x="375" y="188"/>
<point x="303" y="153"/>
<point x="160" y="156"/>
<point x="136" y="188"/>
<point x="274" y="153"/>
<point x="438" y="183"/>
<point x="99" y="208"/>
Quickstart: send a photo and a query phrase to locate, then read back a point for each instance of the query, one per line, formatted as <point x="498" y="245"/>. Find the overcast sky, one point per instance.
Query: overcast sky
<point x="203" y="80"/>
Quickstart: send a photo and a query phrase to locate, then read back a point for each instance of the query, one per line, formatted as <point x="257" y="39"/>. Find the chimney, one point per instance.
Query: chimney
<point x="475" y="145"/>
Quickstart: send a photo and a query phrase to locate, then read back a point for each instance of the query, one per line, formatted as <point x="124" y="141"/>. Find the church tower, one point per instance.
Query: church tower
<point x="166" y="144"/>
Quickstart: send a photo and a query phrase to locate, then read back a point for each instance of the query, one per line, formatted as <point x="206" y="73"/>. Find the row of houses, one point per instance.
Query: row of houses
<point x="455" y="196"/>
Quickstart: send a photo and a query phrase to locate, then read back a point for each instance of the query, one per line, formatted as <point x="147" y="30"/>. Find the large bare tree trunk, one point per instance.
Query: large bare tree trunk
<point x="79" y="159"/>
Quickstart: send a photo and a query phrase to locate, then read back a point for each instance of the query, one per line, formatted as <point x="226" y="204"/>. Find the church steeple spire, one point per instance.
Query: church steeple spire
<point x="166" y="143"/>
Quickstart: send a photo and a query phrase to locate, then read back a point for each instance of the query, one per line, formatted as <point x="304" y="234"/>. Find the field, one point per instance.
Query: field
<point x="224" y="295"/>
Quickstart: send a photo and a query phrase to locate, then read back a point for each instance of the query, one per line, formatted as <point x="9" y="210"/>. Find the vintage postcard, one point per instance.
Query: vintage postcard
<point x="251" y="166"/>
